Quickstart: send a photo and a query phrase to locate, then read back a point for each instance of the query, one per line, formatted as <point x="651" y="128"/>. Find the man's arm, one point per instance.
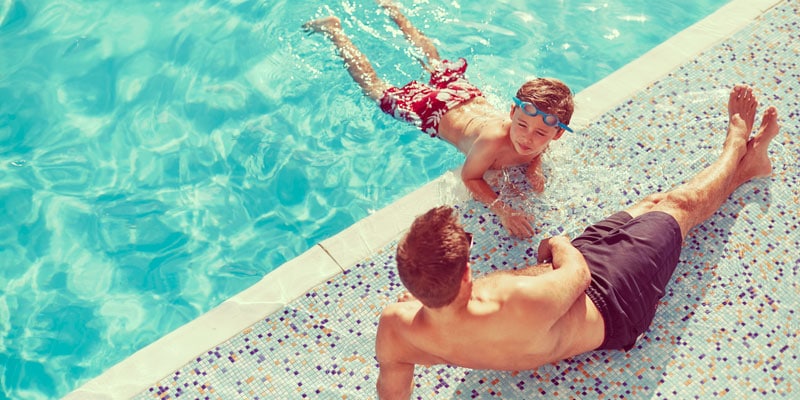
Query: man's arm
<point x="555" y="292"/>
<point x="479" y="160"/>
<point x="395" y="378"/>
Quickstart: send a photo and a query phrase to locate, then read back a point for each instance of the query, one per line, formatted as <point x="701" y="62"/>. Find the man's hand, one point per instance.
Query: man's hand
<point x="545" y="252"/>
<point x="405" y="296"/>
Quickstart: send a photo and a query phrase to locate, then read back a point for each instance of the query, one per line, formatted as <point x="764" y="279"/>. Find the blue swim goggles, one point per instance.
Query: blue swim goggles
<point x="531" y="110"/>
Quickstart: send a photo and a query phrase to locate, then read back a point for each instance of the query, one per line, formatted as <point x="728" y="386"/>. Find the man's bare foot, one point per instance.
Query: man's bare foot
<point x="742" y="101"/>
<point x="756" y="162"/>
<point x="741" y="111"/>
<point x="323" y="25"/>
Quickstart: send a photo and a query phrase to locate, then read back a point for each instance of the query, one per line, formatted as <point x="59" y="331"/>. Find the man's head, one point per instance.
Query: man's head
<point x="432" y="257"/>
<point x="541" y="111"/>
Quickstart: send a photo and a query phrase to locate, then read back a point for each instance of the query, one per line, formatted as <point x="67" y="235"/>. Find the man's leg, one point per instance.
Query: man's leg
<point x="740" y="161"/>
<point x="411" y="33"/>
<point x="357" y="64"/>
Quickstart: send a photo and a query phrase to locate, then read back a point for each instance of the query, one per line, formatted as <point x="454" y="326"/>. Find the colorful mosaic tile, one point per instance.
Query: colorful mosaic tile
<point x="727" y="326"/>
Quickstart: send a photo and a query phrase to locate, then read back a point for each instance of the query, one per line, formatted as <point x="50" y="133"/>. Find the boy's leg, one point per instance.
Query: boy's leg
<point x="411" y="33"/>
<point x="357" y="63"/>
<point x="740" y="161"/>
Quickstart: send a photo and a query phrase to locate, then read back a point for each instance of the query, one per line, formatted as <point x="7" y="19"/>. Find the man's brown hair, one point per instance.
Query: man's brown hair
<point x="433" y="256"/>
<point x="549" y="95"/>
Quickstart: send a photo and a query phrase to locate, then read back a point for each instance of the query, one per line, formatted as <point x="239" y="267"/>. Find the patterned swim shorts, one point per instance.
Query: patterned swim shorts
<point x="424" y="105"/>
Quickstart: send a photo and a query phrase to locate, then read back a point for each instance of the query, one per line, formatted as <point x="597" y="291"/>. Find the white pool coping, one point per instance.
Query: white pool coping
<point x="294" y="278"/>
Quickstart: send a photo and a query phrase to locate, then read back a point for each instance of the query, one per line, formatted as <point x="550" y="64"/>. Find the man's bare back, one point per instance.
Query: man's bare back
<point x="502" y="327"/>
<point x="506" y="320"/>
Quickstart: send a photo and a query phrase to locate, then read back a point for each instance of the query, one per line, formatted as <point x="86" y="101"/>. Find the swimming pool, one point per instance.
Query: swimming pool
<point x="158" y="158"/>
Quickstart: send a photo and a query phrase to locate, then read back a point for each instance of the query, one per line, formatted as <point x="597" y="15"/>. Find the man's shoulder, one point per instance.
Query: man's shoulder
<point x="521" y="291"/>
<point x="394" y="325"/>
<point x="399" y="313"/>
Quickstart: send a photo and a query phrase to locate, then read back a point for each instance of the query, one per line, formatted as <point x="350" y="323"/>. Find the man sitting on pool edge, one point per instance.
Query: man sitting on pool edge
<point x="599" y="291"/>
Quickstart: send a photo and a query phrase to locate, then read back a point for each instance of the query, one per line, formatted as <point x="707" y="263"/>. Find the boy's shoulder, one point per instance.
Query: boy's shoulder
<point x="493" y="138"/>
<point x="493" y="133"/>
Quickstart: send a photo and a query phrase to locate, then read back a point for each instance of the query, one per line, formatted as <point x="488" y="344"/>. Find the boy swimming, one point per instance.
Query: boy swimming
<point x="451" y="108"/>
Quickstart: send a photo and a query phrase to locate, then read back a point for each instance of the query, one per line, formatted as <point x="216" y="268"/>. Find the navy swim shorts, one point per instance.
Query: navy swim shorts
<point x="632" y="260"/>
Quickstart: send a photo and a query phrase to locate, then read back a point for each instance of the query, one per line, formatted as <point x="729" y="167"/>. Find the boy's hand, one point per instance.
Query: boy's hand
<point x="535" y="175"/>
<point x="537" y="180"/>
<point x="516" y="222"/>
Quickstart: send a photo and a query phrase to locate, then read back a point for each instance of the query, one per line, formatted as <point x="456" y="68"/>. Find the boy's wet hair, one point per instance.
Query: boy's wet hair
<point x="432" y="258"/>
<point x="549" y="95"/>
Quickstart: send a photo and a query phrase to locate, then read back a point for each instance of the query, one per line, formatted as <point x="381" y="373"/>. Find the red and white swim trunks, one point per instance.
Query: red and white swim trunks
<point x="424" y="105"/>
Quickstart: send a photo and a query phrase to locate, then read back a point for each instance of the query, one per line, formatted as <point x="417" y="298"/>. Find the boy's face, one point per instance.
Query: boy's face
<point x="530" y="135"/>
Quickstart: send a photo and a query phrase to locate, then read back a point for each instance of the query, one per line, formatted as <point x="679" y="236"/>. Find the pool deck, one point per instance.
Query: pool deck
<point x="727" y="327"/>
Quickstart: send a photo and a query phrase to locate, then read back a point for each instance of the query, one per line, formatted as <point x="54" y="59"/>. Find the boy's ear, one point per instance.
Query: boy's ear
<point x="558" y="135"/>
<point x="511" y="113"/>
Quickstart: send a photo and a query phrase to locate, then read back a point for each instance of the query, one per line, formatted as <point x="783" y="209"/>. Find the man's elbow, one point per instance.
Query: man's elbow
<point x="390" y="392"/>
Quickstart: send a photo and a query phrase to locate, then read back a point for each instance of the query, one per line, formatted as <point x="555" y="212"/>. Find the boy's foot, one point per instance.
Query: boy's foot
<point x="388" y="5"/>
<point x="323" y="25"/>
<point x="756" y="162"/>
<point x="742" y="101"/>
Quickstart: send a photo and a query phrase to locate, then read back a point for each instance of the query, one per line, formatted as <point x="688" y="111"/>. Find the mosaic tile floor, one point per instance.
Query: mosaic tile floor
<point x="727" y="327"/>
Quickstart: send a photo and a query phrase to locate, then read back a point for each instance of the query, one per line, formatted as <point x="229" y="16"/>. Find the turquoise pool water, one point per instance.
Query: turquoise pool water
<point x="158" y="157"/>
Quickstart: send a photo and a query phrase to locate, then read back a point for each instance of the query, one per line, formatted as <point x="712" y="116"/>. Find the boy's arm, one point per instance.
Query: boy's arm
<point x="535" y="175"/>
<point x="479" y="160"/>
